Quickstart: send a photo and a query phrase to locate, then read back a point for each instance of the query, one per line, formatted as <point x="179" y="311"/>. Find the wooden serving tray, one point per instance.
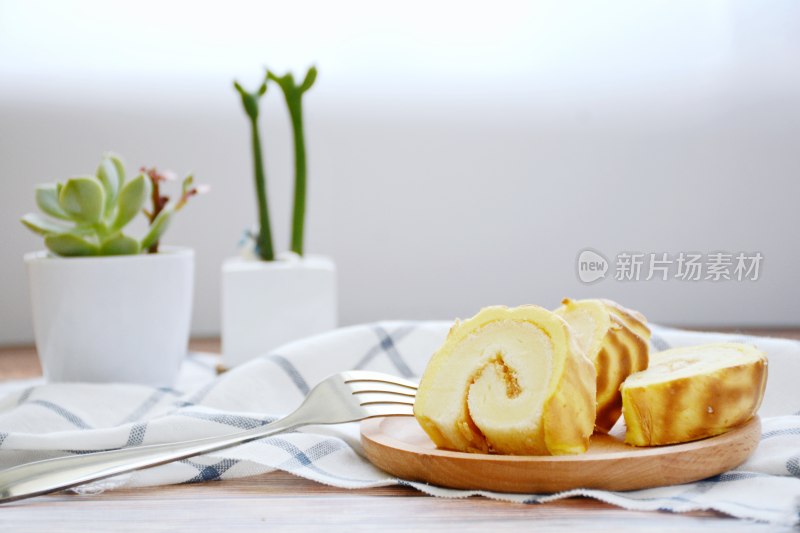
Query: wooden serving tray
<point x="400" y="447"/>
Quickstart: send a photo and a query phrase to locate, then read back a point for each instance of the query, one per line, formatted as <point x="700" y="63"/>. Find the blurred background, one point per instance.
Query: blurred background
<point x="460" y="154"/>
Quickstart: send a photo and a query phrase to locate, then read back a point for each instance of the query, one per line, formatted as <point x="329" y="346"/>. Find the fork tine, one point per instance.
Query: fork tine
<point x="371" y="398"/>
<point x="359" y="387"/>
<point x="353" y="376"/>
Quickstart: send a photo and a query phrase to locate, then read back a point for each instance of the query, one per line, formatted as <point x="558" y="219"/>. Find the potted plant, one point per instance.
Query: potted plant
<point x="108" y="307"/>
<point x="269" y="299"/>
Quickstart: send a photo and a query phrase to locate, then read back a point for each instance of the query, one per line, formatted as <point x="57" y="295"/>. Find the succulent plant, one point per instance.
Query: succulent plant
<point x="161" y="210"/>
<point x="264" y="237"/>
<point x="86" y="215"/>
<point x="293" y="94"/>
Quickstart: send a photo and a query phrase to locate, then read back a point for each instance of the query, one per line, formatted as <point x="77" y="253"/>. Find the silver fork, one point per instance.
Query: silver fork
<point x="344" y="397"/>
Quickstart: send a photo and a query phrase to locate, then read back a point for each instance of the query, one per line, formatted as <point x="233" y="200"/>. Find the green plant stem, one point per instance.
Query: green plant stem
<point x="294" y="101"/>
<point x="266" y="251"/>
<point x="299" y="212"/>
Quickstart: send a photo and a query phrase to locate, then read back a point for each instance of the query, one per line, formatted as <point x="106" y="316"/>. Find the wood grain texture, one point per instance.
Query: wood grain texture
<point x="282" y="502"/>
<point x="399" y="446"/>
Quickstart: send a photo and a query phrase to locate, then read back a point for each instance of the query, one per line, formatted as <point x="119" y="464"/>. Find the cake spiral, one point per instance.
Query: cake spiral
<point x="511" y="381"/>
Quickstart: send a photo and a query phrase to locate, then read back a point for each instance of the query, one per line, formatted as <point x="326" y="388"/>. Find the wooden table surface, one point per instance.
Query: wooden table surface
<point x="279" y="501"/>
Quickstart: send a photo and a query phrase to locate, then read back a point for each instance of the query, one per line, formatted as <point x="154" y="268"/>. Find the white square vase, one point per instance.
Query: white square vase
<point x="268" y="303"/>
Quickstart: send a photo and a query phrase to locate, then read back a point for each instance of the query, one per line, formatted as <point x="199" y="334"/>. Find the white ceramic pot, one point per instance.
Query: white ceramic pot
<point x="112" y="319"/>
<point x="268" y="303"/>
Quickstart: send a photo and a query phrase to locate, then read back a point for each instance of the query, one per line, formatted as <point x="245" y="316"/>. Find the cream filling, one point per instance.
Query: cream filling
<point x="510" y="388"/>
<point x="498" y="376"/>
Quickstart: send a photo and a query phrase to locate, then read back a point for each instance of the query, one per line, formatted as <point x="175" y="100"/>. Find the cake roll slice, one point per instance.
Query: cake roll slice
<point x="692" y="393"/>
<point x="509" y="381"/>
<point x="616" y="340"/>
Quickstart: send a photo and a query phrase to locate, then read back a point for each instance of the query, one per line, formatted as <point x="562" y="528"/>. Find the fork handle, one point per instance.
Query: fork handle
<point x="51" y="475"/>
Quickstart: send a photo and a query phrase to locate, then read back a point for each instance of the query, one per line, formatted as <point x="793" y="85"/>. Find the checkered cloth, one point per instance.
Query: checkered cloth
<point x="39" y="421"/>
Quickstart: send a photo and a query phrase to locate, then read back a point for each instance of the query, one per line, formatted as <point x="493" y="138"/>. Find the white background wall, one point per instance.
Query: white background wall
<point x="460" y="155"/>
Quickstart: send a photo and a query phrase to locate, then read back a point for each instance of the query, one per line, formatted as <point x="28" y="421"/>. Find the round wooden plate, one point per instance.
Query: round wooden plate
<point x="400" y="447"/>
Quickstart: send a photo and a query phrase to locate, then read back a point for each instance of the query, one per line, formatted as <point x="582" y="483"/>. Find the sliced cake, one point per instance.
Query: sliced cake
<point x="692" y="393"/>
<point x="616" y="340"/>
<point x="511" y="381"/>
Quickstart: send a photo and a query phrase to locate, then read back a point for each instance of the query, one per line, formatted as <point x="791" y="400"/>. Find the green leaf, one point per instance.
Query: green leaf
<point x="287" y="84"/>
<point x="284" y="82"/>
<point x="43" y="225"/>
<point x="311" y="77"/>
<point x="250" y="100"/>
<point x="70" y="245"/>
<point x="120" y="169"/>
<point x="131" y="199"/>
<point x="157" y="228"/>
<point x="47" y="200"/>
<point x="108" y="175"/>
<point x="187" y="184"/>
<point x="120" y="245"/>
<point x="83" y="198"/>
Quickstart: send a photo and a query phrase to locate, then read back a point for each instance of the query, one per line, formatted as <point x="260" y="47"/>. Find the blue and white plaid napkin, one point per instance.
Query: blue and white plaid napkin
<point x="39" y="421"/>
